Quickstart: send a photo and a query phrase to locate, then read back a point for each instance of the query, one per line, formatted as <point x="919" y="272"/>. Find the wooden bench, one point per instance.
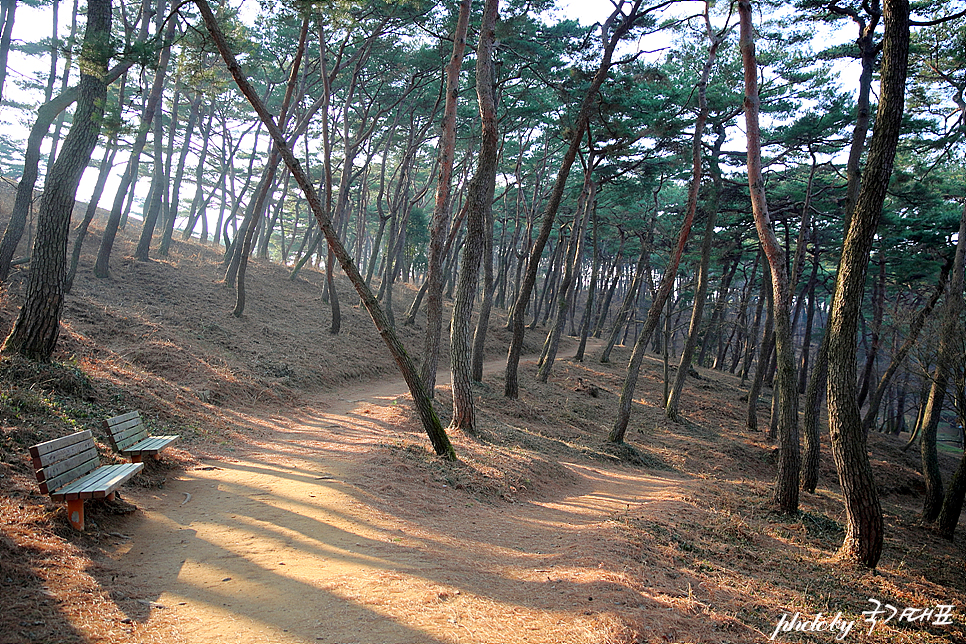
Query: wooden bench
<point x="130" y="437"/>
<point x="68" y="469"/>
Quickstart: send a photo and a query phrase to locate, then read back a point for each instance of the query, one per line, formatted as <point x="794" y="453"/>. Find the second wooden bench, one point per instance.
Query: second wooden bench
<point x="129" y="437"/>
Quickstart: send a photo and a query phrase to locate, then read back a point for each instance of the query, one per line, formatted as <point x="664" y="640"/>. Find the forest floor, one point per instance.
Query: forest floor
<point x="304" y="505"/>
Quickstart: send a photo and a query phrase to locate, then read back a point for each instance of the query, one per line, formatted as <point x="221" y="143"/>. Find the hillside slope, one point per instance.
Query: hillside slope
<point x="708" y="563"/>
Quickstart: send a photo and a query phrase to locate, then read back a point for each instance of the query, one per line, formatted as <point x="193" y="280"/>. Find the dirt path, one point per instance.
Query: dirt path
<point x="286" y="543"/>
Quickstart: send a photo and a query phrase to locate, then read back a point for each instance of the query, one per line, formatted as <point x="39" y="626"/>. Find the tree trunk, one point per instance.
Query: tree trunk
<point x="950" y="351"/>
<point x="479" y="200"/>
<point x="667" y="281"/>
<point x="8" y="11"/>
<point x="591" y="293"/>
<point x="878" y="310"/>
<point x="713" y="332"/>
<point x="915" y="327"/>
<point x="486" y="302"/>
<point x="68" y="49"/>
<point x="160" y="182"/>
<point x="789" y="459"/>
<point x="169" y="223"/>
<point x="767" y="344"/>
<point x="956" y="494"/>
<point x="439" y="228"/>
<point x="571" y="260"/>
<point x="864" y="525"/>
<point x="81" y="232"/>
<point x="809" y="325"/>
<point x="697" y="310"/>
<point x="243" y="251"/>
<point x="630" y="299"/>
<point x="34" y="334"/>
<point x="46" y="114"/>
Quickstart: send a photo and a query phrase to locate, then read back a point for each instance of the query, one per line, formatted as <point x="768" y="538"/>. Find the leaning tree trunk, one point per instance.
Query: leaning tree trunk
<point x="168" y="231"/>
<point x="37" y="327"/>
<point x="479" y="200"/>
<point x="624" y="23"/>
<point x="767" y="345"/>
<point x="46" y="114"/>
<point x="81" y="231"/>
<point x="423" y="403"/>
<point x="633" y="291"/>
<point x="159" y="181"/>
<point x="864" y="525"/>
<point x="818" y="381"/>
<point x="572" y="260"/>
<point x="243" y="251"/>
<point x="670" y="272"/>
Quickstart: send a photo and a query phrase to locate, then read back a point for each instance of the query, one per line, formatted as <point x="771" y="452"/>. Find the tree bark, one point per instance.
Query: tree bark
<point x="789" y="458"/>
<point x="102" y="264"/>
<point x="439" y="228"/>
<point x="864" y="524"/>
<point x="697" y="310"/>
<point x="912" y="335"/>
<point x="479" y="200"/>
<point x="81" y="232"/>
<point x="8" y="11"/>
<point x="571" y="261"/>
<point x="169" y="223"/>
<point x="630" y="298"/>
<point x="670" y="272"/>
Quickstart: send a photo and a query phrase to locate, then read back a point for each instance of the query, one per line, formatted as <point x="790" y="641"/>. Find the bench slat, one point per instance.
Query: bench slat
<point x="42" y="449"/>
<point x="71" y="449"/>
<point x="121" y="418"/>
<point x="128" y="431"/>
<point x="99" y="483"/>
<point x="130" y="437"/>
<point x="47" y="486"/>
<point x="120" y="429"/>
<point x="126" y="443"/>
<point x="73" y="467"/>
<point x="150" y="445"/>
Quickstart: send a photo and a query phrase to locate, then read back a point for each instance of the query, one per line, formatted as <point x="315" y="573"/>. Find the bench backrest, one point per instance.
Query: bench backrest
<point x="126" y="430"/>
<point x="62" y="460"/>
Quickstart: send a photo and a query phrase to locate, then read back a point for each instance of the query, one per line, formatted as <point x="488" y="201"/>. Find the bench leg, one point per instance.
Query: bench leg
<point x="111" y="496"/>
<point x="136" y="458"/>
<point x="75" y="513"/>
